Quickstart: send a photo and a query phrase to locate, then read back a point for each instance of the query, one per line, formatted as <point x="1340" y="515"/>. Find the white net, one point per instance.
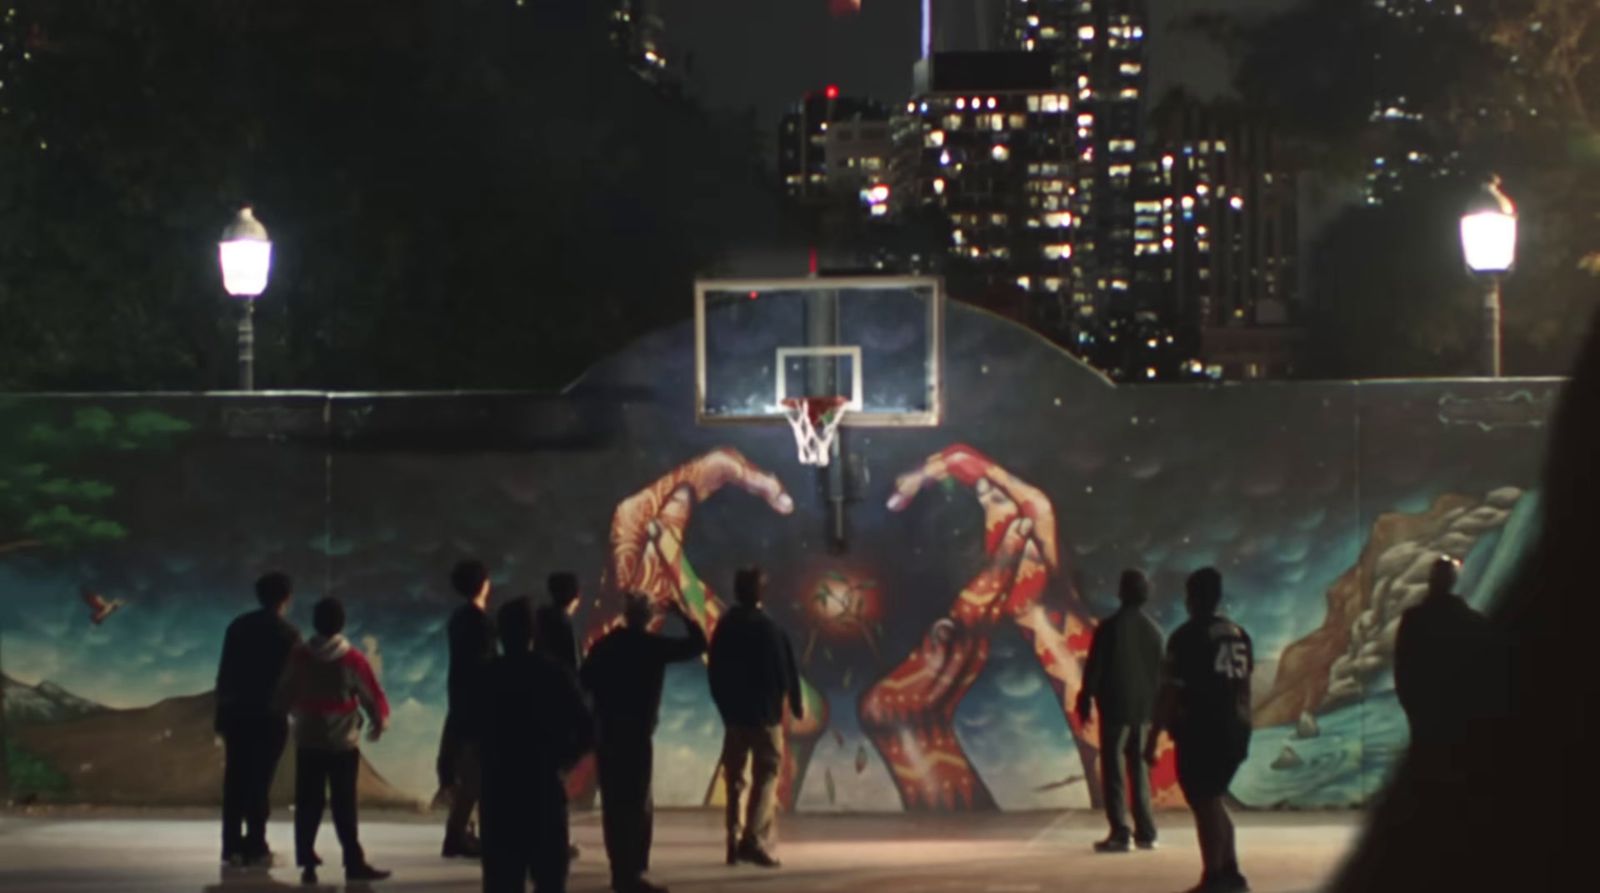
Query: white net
<point x="815" y="421"/>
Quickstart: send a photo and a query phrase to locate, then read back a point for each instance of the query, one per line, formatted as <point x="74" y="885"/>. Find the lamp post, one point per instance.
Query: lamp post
<point x="1489" y="244"/>
<point x="246" y="256"/>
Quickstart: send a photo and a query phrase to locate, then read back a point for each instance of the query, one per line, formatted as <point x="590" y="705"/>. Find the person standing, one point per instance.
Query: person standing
<point x="624" y="673"/>
<point x="752" y="674"/>
<point x="1205" y="702"/>
<point x="554" y="634"/>
<point x="329" y="685"/>
<point x="1121" y="678"/>
<point x="536" y="727"/>
<point x="254" y="652"/>
<point x="1448" y="673"/>
<point x="471" y="638"/>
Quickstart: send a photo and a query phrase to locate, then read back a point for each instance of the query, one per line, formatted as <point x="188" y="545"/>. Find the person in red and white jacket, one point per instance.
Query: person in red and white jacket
<point x="327" y="687"/>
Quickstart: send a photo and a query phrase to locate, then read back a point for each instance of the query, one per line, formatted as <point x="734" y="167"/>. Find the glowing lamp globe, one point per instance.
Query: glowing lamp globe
<point x="246" y="255"/>
<point x="1489" y="232"/>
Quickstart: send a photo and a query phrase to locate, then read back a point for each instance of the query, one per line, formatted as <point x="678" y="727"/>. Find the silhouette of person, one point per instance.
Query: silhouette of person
<point x="1121" y="677"/>
<point x="625" y="672"/>
<point x="329" y="685"/>
<point x="471" y="637"/>
<point x="1516" y="813"/>
<point x="752" y="675"/>
<point x="554" y="634"/>
<point x="255" y="650"/>
<point x="1444" y="666"/>
<point x="1205" y="702"/>
<point x="536" y="728"/>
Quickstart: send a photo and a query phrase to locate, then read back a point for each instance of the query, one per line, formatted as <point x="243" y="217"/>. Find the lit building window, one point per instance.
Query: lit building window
<point x="1024" y="282"/>
<point x="1188" y="202"/>
<point x="1236" y="203"/>
<point x="1120" y="170"/>
<point x="935" y="139"/>
<point x="938" y="186"/>
<point x="1062" y="251"/>
<point x="1058" y="219"/>
<point x="1051" y="103"/>
<point x="1033" y="103"/>
<point x="1166" y="162"/>
<point x="958" y="237"/>
<point x="1086" y="32"/>
<point x="952" y="122"/>
<point x="1131" y="68"/>
<point x="997" y="122"/>
<point x="961" y="103"/>
<point x="1001" y="153"/>
<point x="1201" y="190"/>
<point x="992" y="102"/>
<point x="1020" y="122"/>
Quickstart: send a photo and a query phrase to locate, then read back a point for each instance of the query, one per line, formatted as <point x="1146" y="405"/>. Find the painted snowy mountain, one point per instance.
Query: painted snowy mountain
<point x="46" y="702"/>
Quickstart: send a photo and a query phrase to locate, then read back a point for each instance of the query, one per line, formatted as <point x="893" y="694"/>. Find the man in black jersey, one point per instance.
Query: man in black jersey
<point x="1205" y="704"/>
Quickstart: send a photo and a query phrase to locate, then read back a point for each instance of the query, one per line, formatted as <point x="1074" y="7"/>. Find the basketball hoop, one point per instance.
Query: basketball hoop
<point x="815" y="421"/>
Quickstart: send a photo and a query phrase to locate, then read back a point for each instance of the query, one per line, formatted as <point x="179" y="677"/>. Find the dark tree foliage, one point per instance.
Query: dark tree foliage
<point x="1479" y="87"/>
<point x="461" y="193"/>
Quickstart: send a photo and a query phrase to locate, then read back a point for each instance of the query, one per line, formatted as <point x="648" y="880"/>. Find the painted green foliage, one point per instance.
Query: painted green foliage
<point x="44" y="501"/>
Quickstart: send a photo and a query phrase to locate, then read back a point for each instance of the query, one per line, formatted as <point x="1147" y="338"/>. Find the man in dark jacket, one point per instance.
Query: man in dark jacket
<point x="329" y="685"/>
<point x="553" y="632"/>
<point x="1205" y="702"/>
<point x="624" y="673"/>
<point x="1448" y="673"/>
<point x="254" y="653"/>
<point x="536" y="727"/>
<point x="1121" y="677"/>
<point x="752" y="674"/>
<point x="471" y="636"/>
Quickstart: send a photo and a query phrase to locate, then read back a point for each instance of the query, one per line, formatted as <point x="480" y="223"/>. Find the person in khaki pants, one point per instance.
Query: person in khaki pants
<point x="752" y="674"/>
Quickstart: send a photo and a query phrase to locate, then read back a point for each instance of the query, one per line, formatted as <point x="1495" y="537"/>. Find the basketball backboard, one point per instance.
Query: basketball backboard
<point x="877" y="341"/>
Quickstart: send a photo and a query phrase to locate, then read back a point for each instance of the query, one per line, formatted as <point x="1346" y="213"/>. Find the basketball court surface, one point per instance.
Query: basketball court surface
<point x="992" y="853"/>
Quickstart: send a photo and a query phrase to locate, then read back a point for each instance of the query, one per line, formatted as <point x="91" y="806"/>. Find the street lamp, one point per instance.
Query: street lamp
<point x="246" y="255"/>
<point x="1489" y="243"/>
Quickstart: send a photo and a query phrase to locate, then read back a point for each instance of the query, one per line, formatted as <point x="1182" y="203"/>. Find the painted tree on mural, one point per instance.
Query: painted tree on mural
<point x="47" y="504"/>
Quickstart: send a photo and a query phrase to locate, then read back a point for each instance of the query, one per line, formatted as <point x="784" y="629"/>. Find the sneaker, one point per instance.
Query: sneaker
<point x="1147" y="844"/>
<point x="308" y="877"/>
<point x="755" y="855"/>
<point x="365" y="872"/>
<point x="1113" y="844"/>
<point x="468" y="847"/>
<point x="1230" y="883"/>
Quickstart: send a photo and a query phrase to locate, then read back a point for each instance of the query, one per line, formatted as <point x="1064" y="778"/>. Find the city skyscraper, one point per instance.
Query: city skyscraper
<point x="987" y="143"/>
<point x="1096" y="50"/>
<point x="1216" y="236"/>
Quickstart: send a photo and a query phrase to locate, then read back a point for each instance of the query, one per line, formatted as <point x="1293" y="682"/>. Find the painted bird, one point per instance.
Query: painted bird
<point x="99" y="607"/>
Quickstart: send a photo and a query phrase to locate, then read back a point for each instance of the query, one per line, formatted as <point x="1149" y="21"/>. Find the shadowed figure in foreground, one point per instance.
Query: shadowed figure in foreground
<point x="1514" y="812"/>
<point x="536" y="726"/>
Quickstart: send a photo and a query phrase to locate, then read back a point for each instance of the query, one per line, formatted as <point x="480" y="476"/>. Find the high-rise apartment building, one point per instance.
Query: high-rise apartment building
<point x="1096" y="50"/>
<point x="987" y="141"/>
<point x="830" y="144"/>
<point x="1215" y="239"/>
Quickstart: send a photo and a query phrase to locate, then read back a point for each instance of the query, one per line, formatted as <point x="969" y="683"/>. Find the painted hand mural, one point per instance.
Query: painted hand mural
<point x="648" y="532"/>
<point x="910" y="714"/>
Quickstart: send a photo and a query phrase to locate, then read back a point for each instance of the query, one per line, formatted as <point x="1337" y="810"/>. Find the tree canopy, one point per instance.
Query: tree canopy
<point x="1425" y="100"/>
<point x="475" y="193"/>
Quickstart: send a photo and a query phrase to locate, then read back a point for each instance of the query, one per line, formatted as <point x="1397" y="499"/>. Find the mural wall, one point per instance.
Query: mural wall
<point x="939" y="646"/>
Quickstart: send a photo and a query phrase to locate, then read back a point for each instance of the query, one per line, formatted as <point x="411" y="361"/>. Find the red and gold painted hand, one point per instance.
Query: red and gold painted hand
<point x="909" y="714"/>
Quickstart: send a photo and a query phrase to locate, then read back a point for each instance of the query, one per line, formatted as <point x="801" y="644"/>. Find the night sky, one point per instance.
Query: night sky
<point x="765" y="55"/>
